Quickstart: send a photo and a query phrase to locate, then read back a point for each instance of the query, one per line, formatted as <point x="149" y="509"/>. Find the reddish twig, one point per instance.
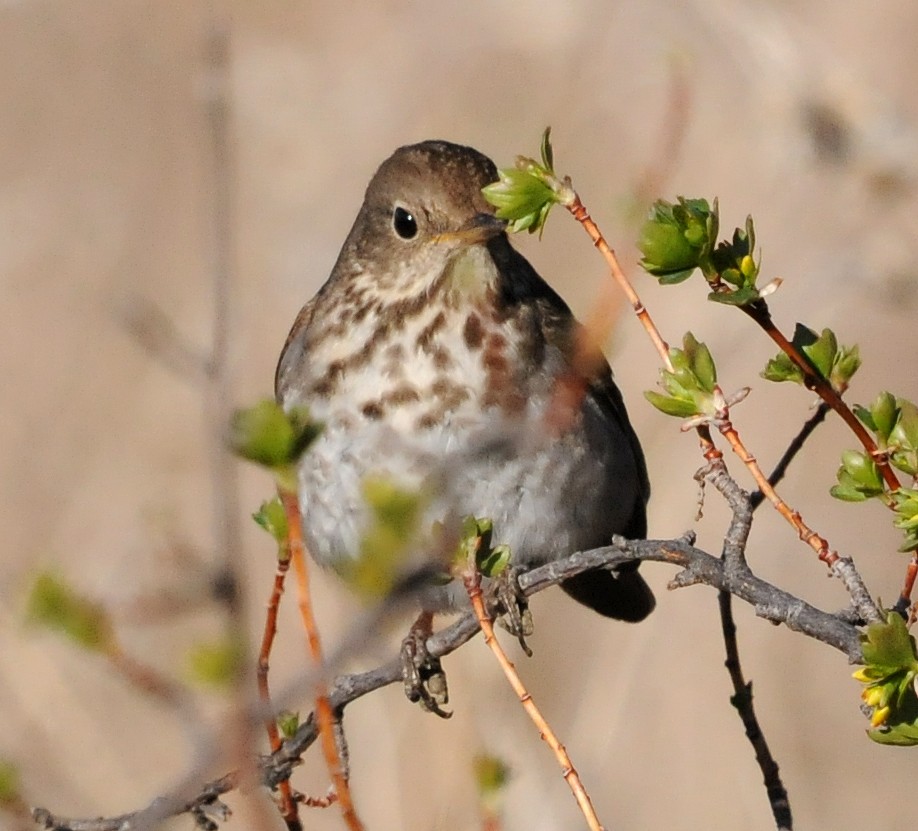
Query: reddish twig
<point x="472" y="580"/>
<point x="904" y="605"/>
<point x="288" y="804"/>
<point x="325" y="716"/>
<point x="579" y="212"/>
<point x="761" y="314"/>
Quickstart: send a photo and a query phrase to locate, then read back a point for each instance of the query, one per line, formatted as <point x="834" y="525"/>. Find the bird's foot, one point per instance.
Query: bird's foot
<point x="422" y="673"/>
<point x="515" y="616"/>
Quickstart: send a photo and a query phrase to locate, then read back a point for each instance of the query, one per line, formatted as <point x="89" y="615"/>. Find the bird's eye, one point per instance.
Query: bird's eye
<point x="406" y="226"/>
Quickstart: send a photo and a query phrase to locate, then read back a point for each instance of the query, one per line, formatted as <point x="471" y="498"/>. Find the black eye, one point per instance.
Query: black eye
<point x="406" y="226"/>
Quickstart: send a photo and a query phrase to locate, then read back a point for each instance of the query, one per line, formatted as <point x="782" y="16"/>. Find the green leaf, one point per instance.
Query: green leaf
<point x="701" y="362"/>
<point x="822" y="352"/>
<point x="847" y="362"/>
<point x="288" y="723"/>
<point x="858" y="478"/>
<point x="690" y="386"/>
<point x="884" y="414"/>
<point x="671" y="406"/>
<point x="55" y="605"/>
<point x="782" y="368"/>
<point x="888" y="647"/>
<point x="491" y="774"/>
<point x="740" y="297"/>
<point x="521" y="198"/>
<point x="899" y="735"/>
<point x="903" y="439"/>
<point x="905" y="504"/>
<point x="889" y="673"/>
<point x="269" y="436"/>
<point x="548" y="154"/>
<point x="273" y="518"/>
<point x="675" y="238"/>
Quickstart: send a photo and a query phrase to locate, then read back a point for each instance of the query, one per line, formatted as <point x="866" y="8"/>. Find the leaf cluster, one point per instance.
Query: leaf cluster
<point x="525" y="194"/>
<point x="679" y="237"/>
<point x="889" y="674"/>
<point x="835" y="364"/>
<point x="689" y="387"/>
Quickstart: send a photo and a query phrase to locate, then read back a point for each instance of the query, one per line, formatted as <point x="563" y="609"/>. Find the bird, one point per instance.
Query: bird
<point x="431" y="356"/>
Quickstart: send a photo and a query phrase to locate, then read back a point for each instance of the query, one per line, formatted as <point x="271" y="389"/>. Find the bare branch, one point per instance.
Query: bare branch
<point x="697" y="567"/>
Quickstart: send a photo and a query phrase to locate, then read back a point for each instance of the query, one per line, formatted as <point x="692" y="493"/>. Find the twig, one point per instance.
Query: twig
<point x="697" y="568"/>
<point x="734" y="558"/>
<point x="325" y="714"/>
<point x="796" y="445"/>
<point x="288" y="806"/>
<point x="904" y="603"/>
<point x="579" y="212"/>
<point x="472" y="580"/>
<point x="156" y="333"/>
<point x="842" y="567"/>
<point x="761" y="314"/>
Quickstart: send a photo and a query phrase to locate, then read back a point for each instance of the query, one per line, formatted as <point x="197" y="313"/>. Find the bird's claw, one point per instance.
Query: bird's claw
<point x="515" y="615"/>
<point x="422" y="673"/>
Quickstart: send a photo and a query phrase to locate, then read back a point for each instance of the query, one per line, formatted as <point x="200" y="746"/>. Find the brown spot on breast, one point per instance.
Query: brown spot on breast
<point x="501" y="388"/>
<point x="427" y="421"/>
<point x="402" y="394"/>
<point x="473" y="331"/>
<point x="441" y="357"/>
<point x="449" y="394"/>
<point x="426" y="335"/>
<point x="373" y="410"/>
<point x="494" y="359"/>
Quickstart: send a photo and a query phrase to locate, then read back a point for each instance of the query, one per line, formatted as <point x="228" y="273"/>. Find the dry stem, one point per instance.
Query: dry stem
<point x="472" y="580"/>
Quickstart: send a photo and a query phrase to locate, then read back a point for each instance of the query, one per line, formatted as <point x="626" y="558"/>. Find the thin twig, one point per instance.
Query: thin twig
<point x="904" y="603"/>
<point x="325" y="714"/>
<point x="288" y="805"/>
<point x="761" y="314"/>
<point x="157" y="334"/>
<point x="579" y="212"/>
<point x="842" y="567"/>
<point x="796" y="445"/>
<point x="472" y="579"/>
<point x="734" y="558"/>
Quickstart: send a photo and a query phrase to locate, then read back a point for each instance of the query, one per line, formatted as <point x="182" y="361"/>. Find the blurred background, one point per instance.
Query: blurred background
<point x="802" y="114"/>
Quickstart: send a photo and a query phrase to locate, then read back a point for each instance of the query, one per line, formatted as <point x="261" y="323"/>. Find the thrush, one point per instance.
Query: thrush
<point x="432" y="356"/>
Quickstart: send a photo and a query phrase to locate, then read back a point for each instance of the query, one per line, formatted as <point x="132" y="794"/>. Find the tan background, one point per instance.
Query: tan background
<point x="105" y="194"/>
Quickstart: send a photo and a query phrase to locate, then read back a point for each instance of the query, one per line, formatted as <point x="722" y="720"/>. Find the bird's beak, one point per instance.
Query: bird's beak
<point x="480" y="228"/>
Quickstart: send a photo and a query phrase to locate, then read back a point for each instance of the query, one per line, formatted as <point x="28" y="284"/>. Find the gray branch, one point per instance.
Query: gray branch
<point x="697" y="567"/>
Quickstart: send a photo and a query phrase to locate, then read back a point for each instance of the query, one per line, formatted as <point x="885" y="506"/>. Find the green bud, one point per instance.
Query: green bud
<point x="690" y="385"/>
<point x="674" y="239"/>
<point x="287" y="723"/>
<point x="269" y="436"/>
<point x="273" y="518"/>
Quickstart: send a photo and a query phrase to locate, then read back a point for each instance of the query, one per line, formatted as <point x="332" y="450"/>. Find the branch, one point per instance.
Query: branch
<point x="697" y="567"/>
